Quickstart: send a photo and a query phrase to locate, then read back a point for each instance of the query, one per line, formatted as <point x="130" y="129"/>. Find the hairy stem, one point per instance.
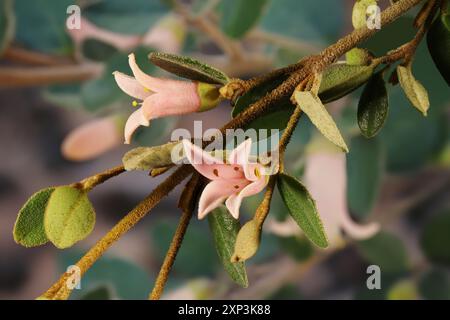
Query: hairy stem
<point x="91" y="182"/>
<point x="187" y="206"/>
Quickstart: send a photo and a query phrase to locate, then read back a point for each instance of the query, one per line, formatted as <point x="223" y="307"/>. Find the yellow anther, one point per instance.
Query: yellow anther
<point x="135" y="103"/>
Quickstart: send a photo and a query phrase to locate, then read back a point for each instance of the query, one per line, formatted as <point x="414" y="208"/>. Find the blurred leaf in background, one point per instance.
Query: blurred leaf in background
<point x="136" y="17"/>
<point x="41" y="25"/>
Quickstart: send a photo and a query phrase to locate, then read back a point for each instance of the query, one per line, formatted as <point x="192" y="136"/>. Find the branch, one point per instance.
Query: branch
<point x="20" y="55"/>
<point x="201" y="22"/>
<point x="21" y="76"/>
<point x="187" y="205"/>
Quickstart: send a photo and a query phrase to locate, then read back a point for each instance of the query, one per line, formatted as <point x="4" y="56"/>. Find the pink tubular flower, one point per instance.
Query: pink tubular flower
<point x="232" y="180"/>
<point x="162" y="97"/>
<point x="325" y="178"/>
<point x="92" y="139"/>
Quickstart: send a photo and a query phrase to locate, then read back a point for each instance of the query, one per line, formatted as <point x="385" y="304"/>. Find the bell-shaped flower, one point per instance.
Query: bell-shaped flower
<point x="162" y="97"/>
<point x="326" y="179"/>
<point x="232" y="180"/>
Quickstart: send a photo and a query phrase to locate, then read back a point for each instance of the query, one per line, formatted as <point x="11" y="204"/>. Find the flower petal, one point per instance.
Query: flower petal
<point x="147" y="81"/>
<point x="233" y="203"/>
<point x="135" y="120"/>
<point x="357" y="231"/>
<point x="209" y="166"/>
<point x="92" y="139"/>
<point x="182" y="100"/>
<point x="240" y="155"/>
<point x="131" y="86"/>
<point x="215" y="193"/>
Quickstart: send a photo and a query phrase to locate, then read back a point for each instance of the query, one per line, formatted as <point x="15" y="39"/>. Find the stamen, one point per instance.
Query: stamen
<point x="236" y="187"/>
<point x="135" y="103"/>
<point x="257" y="174"/>
<point x="216" y="172"/>
<point x="236" y="168"/>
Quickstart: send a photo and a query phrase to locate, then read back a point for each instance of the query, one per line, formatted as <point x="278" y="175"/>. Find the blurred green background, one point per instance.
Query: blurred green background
<point x="53" y="81"/>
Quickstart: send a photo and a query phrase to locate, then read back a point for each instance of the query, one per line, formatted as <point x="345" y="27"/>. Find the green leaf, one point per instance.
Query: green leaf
<point x="435" y="285"/>
<point x="385" y="250"/>
<point x="373" y="106"/>
<point x="319" y="116"/>
<point x="41" y="25"/>
<point x="239" y="16"/>
<point x="365" y="165"/>
<point x="7" y="24"/>
<point x="188" y="68"/>
<point x="359" y="13"/>
<point x="148" y="158"/>
<point x="97" y="50"/>
<point x="69" y="216"/>
<point x="302" y="208"/>
<point x="225" y="229"/>
<point x="247" y="242"/>
<point x="340" y="79"/>
<point x="438" y="40"/>
<point x="298" y="247"/>
<point x="414" y="90"/>
<point x="435" y="239"/>
<point x="131" y="17"/>
<point x="29" y="227"/>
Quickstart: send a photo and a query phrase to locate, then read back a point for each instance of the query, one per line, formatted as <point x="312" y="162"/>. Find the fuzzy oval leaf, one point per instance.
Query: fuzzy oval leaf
<point x="340" y="79"/>
<point x="414" y="90"/>
<point x="148" y="158"/>
<point x="373" y="106"/>
<point x="188" y="68"/>
<point x="438" y="40"/>
<point x="29" y="227"/>
<point x="239" y="16"/>
<point x="225" y="229"/>
<point x="7" y="24"/>
<point x="319" y="116"/>
<point x="302" y="208"/>
<point x="385" y="250"/>
<point x="69" y="216"/>
<point x="247" y="242"/>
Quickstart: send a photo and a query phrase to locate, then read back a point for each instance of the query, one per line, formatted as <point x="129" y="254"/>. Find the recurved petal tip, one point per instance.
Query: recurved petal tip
<point x="136" y="119"/>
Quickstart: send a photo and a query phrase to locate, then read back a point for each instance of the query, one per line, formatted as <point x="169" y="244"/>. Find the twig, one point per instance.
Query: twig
<point x="41" y="76"/>
<point x="201" y="22"/>
<point x="187" y="206"/>
<point x="90" y="182"/>
<point x="423" y="22"/>
<point x="21" y="55"/>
